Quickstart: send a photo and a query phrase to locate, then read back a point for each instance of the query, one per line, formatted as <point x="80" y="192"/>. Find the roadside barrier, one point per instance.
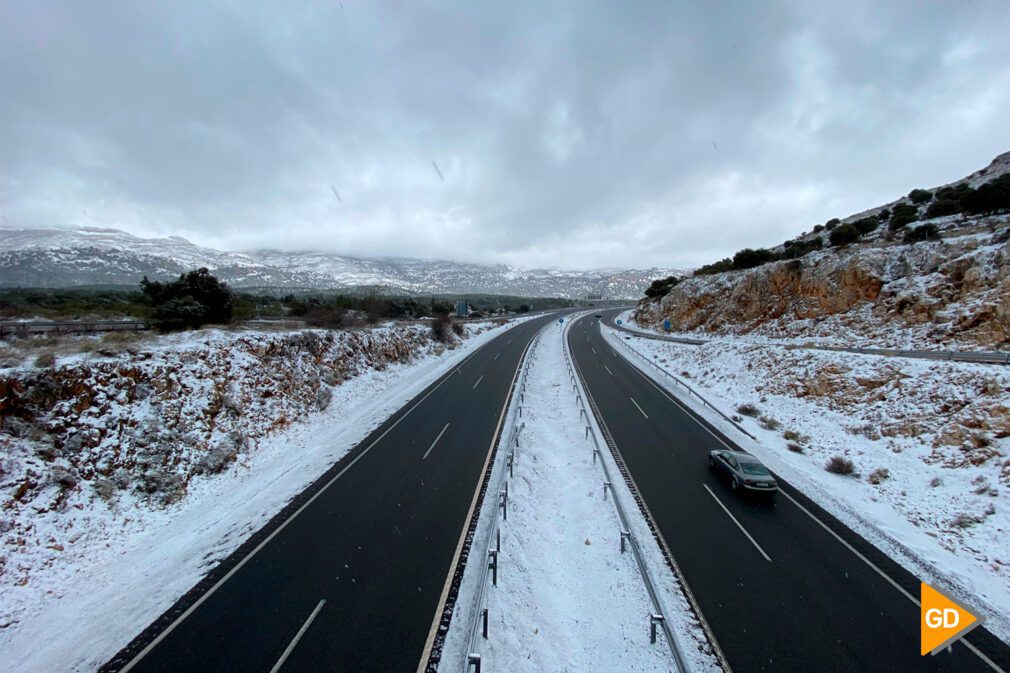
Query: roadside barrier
<point x="627" y="538"/>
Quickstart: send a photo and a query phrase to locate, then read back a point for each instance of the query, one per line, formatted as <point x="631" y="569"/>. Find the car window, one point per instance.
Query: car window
<point x="754" y="468"/>
<point x="732" y="461"/>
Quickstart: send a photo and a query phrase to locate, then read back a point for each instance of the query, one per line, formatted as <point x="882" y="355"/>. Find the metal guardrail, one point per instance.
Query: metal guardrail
<point x="493" y="547"/>
<point x="980" y="357"/>
<point x="691" y="390"/>
<point x="658" y="617"/>
<point x="70" y="327"/>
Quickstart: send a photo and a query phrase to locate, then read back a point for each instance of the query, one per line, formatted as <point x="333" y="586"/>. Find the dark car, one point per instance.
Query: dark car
<point x="599" y="315"/>
<point x="744" y="471"/>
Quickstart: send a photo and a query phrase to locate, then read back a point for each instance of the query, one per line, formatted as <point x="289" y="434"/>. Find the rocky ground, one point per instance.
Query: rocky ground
<point x="133" y="428"/>
<point x="950" y="294"/>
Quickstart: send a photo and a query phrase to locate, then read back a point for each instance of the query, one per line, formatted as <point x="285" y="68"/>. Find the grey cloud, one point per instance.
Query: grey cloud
<point x="569" y="134"/>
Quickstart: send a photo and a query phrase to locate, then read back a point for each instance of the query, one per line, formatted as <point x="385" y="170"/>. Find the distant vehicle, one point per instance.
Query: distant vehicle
<point x="599" y="315"/>
<point x="744" y="471"/>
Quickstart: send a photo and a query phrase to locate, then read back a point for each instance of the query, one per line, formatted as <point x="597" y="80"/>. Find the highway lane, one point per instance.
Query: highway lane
<point x="779" y="591"/>
<point x="350" y="576"/>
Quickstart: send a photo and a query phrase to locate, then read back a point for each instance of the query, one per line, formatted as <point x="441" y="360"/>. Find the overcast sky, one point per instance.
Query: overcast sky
<point x="573" y="135"/>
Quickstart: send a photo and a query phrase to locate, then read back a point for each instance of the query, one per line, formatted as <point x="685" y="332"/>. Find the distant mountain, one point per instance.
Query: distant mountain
<point x="92" y="256"/>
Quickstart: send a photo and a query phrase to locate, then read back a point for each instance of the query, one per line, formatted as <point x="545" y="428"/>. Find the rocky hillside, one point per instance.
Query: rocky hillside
<point x="133" y="430"/>
<point x="932" y="281"/>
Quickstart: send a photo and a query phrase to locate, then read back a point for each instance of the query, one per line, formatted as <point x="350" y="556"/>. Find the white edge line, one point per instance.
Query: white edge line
<point x="298" y="636"/>
<point x="638" y="407"/>
<point x="738" y="524"/>
<point x="238" y="566"/>
<point x="425" y="456"/>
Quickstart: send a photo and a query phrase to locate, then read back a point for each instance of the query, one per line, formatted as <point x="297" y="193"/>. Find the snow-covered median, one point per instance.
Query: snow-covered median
<point x="112" y="528"/>
<point x="567" y="598"/>
<point x="927" y="441"/>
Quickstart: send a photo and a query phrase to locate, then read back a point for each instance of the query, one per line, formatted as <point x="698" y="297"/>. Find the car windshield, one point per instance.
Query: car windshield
<point x="753" y="468"/>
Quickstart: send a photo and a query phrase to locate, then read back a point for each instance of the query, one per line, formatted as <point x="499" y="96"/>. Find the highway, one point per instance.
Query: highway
<point x="782" y="585"/>
<point x="351" y="575"/>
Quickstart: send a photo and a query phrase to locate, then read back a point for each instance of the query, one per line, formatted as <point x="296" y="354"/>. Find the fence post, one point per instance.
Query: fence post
<point x="653" y="620"/>
<point x="483" y="615"/>
<point x="606" y="485"/>
<point x="625" y="536"/>
<point x="492" y="565"/>
<point x="504" y="496"/>
<point x="473" y="660"/>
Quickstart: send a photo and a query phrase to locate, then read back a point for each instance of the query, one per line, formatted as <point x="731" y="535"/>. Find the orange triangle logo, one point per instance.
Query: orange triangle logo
<point x="941" y="620"/>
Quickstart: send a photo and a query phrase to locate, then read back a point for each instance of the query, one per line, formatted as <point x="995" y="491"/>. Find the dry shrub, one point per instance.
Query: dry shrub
<point x="879" y="475"/>
<point x="840" y="465"/>
<point x="748" y="409"/>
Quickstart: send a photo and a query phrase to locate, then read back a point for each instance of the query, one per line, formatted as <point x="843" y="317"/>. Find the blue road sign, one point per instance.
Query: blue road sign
<point x="560" y="320"/>
<point x="666" y="325"/>
<point x="618" y="322"/>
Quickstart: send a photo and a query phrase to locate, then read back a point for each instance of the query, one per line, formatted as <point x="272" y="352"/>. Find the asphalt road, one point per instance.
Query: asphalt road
<point x="350" y="576"/>
<point x="778" y="589"/>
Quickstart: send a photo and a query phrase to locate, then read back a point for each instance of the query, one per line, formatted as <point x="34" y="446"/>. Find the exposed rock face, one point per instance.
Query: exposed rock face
<point x="949" y="292"/>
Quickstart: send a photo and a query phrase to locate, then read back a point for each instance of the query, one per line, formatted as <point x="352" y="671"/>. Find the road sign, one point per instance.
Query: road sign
<point x="666" y="325"/>
<point x="560" y="320"/>
<point x="618" y="322"/>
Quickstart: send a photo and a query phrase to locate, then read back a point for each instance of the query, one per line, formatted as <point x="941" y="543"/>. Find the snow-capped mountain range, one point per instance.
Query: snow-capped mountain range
<point x="72" y="257"/>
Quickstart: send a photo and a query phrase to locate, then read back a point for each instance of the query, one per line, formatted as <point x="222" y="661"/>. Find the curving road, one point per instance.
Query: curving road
<point x="783" y="585"/>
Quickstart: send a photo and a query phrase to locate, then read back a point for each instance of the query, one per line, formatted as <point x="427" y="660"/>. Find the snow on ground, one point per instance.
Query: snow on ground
<point x="928" y="440"/>
<point x="84" y="579"/>
<point x="567" y="599"/>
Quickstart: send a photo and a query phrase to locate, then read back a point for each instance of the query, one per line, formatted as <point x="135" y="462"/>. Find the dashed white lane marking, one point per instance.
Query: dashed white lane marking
<point x="478" y="381"/>
<point x="638" y="407"/>
<point x="298" y="636"/>
<point x="738" y="524"/>
<point x="425" y="456"/>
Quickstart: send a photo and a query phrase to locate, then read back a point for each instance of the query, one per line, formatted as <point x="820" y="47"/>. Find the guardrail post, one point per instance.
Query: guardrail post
<point x="483" y="615"/>
<point x="587" y="433"/>
<point x="497" y="541"/>
<point x="504" y="504"/>
<point x="474" y="661"/>
<point x="582" y="412"/>
<point x="510" y="464"/>
<point x="492" y="565"/>
<point x="606" y="485"/>
<point x="595" y="451"/>
<point x="653" y="620"/>
<point x="625" y="536"/>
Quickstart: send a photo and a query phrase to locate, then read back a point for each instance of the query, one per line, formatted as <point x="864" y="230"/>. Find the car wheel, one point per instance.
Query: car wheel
<point x="734" y="484"/>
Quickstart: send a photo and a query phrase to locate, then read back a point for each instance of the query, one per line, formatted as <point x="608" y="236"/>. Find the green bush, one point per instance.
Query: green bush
<point x="833" y="222"/>
<point x="866" y="225"/>
<point x="197" y="298"/>
<point x="748" y="258"/>
<point x="884" y="215"/>
<point x="661" y="287"/>
<point x="799" y="248"/>
<point x="818" y="228"/>
<point x="844" y="235"/>
<point x="918" y="196"/>
<point x="943" y="207"/>
<point x="715" y="267"/>
<point x="991" y="197"/>
<point x="903" y="214"/>
<point x="925" y="232"/>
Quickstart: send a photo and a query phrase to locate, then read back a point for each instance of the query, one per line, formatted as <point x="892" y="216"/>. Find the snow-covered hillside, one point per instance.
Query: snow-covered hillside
<point x="92" y="256"/>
